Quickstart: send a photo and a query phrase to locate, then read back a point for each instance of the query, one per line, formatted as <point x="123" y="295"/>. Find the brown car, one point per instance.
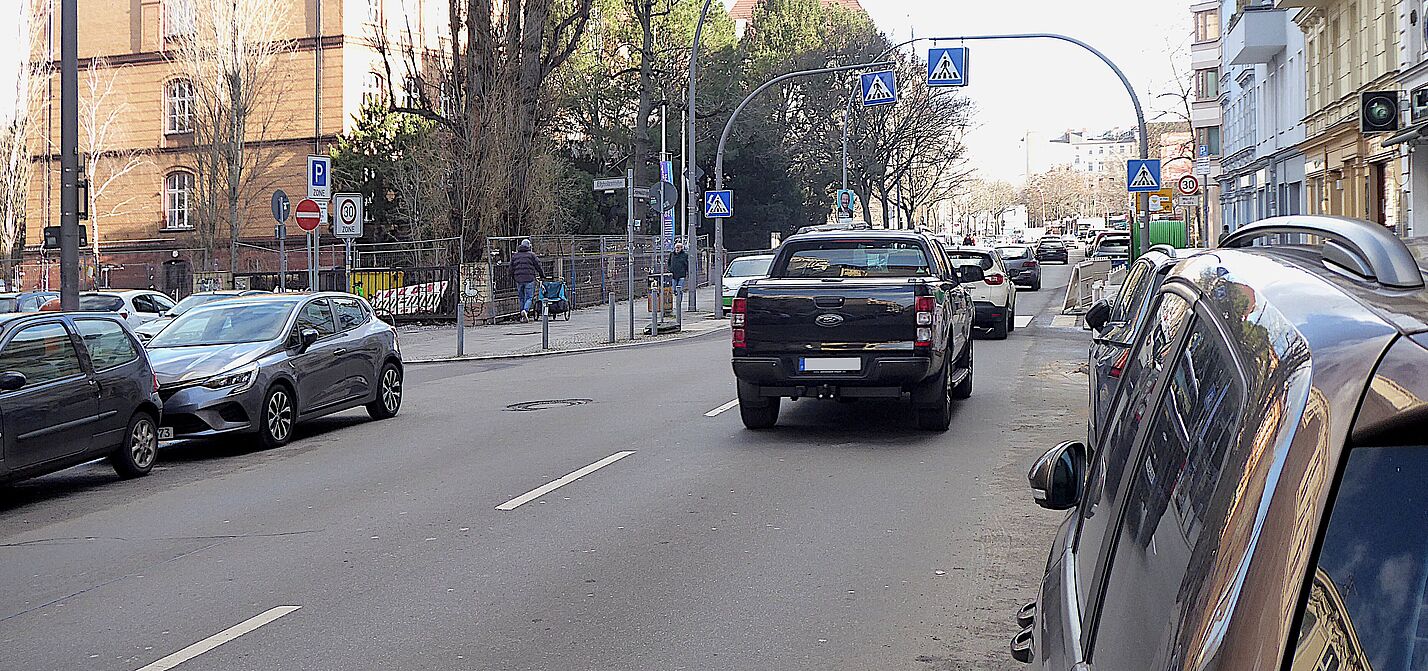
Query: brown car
<point x="1255" y="498"/>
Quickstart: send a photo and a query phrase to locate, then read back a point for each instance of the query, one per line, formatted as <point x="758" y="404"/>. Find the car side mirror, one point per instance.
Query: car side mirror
<point x="1057" y="477"/>
<point x="970" y="274"/>
<point x="11" y="380"/>
<point x="307" y="337"/>
<point x="1099" y="315"/>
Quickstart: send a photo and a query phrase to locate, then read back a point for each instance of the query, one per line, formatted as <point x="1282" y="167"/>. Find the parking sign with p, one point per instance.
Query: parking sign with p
<point x="319" y="177"/>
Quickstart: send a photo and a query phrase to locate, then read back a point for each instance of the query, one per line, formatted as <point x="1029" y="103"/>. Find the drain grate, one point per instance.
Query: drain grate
<point x="530" y="406"/>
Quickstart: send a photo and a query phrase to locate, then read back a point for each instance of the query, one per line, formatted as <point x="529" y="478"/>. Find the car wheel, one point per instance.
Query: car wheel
<point x="279" y="416"/>
<point x="937" y="416"/>
<point x="963" y="389"/>
<point x="756" y="411"/>
<point x="389" y="394"/>
<point x="136" y="456"/>
<point x="999" y="330"/>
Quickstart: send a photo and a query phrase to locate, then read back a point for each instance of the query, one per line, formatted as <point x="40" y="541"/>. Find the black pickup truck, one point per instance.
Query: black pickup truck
<point x="855" y="314"/>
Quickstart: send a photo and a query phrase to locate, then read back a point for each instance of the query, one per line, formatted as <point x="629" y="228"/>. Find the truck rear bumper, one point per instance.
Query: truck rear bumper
<point x="882" y="377"/>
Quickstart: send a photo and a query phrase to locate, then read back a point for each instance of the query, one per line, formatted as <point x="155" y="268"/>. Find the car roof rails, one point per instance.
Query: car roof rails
<point x="1361" y="247"/>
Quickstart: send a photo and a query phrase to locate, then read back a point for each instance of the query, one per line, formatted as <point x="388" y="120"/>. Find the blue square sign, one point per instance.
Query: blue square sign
<point x="1143" y="175"/>
<point x="947" y="67"/>
<point x="718" y="204"/>
<point x="319" y="177"/>
<point x="879" y="88"/>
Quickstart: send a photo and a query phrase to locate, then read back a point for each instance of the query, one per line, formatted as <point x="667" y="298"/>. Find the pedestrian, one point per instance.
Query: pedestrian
<point x="968" y="240"/>
<point x="358" y="289"/>
<point x="679" y="267"/>
<point x="525" y="270"/>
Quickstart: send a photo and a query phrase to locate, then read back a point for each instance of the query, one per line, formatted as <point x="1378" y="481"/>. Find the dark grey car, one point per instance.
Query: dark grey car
<point x="74" y="387"/>
<point x="1255" y="498"/>
<point x="260" y="364"/>
<point x="1022" y="266"/>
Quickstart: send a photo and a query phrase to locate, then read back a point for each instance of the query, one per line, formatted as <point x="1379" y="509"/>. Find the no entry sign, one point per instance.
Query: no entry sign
<point x="308" y="214"/>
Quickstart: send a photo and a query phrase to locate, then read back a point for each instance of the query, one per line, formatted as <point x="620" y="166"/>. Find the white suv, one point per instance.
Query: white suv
<point x="994" y="297"/>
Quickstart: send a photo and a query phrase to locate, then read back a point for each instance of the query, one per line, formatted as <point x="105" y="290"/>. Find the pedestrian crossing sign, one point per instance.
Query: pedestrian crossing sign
<point x="718" y="204"/>
<point x="947" y="67"/>
<point x="879" y="88"/>
<point x="1143" y="175"/>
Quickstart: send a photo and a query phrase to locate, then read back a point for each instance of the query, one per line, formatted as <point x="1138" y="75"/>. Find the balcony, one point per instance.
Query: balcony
<point x="1256" y="36"/>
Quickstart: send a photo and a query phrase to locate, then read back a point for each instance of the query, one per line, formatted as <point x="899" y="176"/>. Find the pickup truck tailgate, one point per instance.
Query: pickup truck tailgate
<point x="811" y="315"/>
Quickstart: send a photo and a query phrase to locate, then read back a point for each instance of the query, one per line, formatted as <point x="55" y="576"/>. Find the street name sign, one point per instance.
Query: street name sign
<point x="348" y="223"/>
<point x="879" y="88"/>
<point x="609" y="183"/>
<point x="1143" y="175"/>
<point x="947" y="67"/>
<point x="718" y="204"/>
<point x="308" y="214"/>
<point x="319" y="177"/>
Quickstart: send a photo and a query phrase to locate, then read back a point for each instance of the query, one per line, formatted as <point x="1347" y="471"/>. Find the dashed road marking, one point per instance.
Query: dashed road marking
<point x="561" y="482"/>
<point x="207" y="644"/>
<point x="723" y="408"/>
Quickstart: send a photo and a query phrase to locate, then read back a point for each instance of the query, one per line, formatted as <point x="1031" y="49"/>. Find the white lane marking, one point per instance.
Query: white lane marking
<point x="244" y="627"/>
<point x="562" y="481"/>
<point x="723" y="408"/>
<point x="1066" y="321"/>
<point x="1023" y="321"/>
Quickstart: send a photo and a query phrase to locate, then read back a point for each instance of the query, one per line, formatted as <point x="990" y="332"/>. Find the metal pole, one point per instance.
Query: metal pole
<point x="283" y="258"/>
<point x="611" y="298"/>
<point x="656" y="303"/>
<point x="544" y="324"/>
<point x="691" y="162"/>
<point x="460" y="328"/>
<point x="630" y="244"/>
<point x="69" y="155"/>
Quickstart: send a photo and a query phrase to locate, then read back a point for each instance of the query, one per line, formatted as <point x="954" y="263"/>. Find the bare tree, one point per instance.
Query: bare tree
<point x="230" y="58"/>
<point x="101" y="109"/>
<point x="29" y="73"/>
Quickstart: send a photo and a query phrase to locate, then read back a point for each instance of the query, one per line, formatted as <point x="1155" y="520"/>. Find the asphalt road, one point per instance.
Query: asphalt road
<point x="844" y="539"/>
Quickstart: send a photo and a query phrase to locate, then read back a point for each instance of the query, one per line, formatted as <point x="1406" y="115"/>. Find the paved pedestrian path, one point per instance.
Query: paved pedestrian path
<point x="588" y="328"/>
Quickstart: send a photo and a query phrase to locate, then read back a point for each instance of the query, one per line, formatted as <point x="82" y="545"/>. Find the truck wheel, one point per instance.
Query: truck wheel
<point x="937" y="415"/>
<point x="757" y="412"/>
<point x="963" y="389"/>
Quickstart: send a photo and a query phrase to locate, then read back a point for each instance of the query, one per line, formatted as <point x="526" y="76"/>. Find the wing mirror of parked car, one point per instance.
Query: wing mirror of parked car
<point x="1099" y="315"/>
<point x="306" y="338"/>
<point x="1056" y="478"/>
<point x="970" y="274"/>
<point x="11" y="380"/>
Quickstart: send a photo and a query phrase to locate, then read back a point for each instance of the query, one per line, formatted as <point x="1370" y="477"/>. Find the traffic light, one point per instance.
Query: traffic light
<point x="1378" y="112"/>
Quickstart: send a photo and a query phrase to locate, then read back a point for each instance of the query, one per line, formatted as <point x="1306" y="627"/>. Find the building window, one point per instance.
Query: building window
<point x="373" y="89"/>
<point x="178" y="107"/>
<point x="178" y="200"/>
<point x="1209" y="137"/>
<point x="1207" y="26"/>
<point x="411" y="92"/>
<point x="178" y="18"/>
<point x="374" y="11"/>
<point x="1207" y="84"/>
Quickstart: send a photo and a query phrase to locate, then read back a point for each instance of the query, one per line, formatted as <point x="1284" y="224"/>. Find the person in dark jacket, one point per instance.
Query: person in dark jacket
<point x="525" y="270"/>
<point x="679" y="267"/>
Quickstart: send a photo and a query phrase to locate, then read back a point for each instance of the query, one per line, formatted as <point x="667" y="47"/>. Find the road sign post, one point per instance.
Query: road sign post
<point x="282" y="208"/>
<point x="309" y="215"/>
<point x="348" y="227"/>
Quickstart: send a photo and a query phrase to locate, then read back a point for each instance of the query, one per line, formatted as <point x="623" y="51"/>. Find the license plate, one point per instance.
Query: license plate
<point x="166" y="433"/>
<point x="830" y="365"/>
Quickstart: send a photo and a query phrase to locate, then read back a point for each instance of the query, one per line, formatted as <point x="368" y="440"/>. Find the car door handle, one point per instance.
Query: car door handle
<point x="339" y="351"/>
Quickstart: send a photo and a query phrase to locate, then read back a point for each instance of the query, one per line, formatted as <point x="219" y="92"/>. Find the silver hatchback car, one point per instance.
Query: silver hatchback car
<point x="261" y="364"/>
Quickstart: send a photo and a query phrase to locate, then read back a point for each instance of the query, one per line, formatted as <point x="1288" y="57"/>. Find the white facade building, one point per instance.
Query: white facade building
<point x="1262" y="99"/>
<point x="1413" y="140"/>
<point x="1206" y="116"/>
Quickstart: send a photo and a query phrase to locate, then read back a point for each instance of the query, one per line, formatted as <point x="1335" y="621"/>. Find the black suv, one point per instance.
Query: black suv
<point x="1255" y="498"/>
<point x="1051" y="248"/>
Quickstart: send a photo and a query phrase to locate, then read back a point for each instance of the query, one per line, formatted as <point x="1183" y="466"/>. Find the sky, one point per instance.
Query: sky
<point x="1044" y="85"/>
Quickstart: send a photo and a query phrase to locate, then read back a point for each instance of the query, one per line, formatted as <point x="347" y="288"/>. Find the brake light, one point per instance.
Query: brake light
<point x="1031" y="263"/>
<point x="124" y="314"/>
<point x="926" y="307"/>
<point x="156" y="383"/>
<point x="1119" y="366"/>
<point x="738" y="316"/>
<point x="995" y="279"/>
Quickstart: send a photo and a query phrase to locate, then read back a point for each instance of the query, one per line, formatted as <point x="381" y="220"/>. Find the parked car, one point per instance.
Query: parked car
<point x="994" y="298"/>
<point x="1051" y="248"/>
<point x="74" y="387"/>
<point x="866" y="314"/>
<point x="260" y="364"/>
<point x="137" y="307"/>
<point x="32" y="301"/>
<point x="1114" y="248"/>
<point x="1255" y="498"/>
<point x="742" y="270"/>
<point x="151" y="328"/>
<point x="1118" y="321"/>
<point x="1022" y="266"/>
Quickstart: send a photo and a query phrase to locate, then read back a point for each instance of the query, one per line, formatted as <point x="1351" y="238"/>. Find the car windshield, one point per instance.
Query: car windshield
<point x="1012" y="252"/>
<point x="855" y="258"/>
<point x="1114" y="245"/>
<point x="1052" y="242"/>
<point x="961" y="259"/>
<point x="101" y="303"/>
<point x="749" y="267"/>
<point x="225" y="325"/>
<point x="194" y="301"/>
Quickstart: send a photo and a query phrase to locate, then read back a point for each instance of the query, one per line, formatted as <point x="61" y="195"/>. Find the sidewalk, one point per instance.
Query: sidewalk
<point x="587" y="329"/>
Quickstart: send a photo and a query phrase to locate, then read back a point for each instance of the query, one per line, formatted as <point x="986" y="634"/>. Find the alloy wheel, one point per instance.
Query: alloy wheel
<point x="280" y="415"/>
<point x="391" y="390"/>
<point x="143" y="444"/>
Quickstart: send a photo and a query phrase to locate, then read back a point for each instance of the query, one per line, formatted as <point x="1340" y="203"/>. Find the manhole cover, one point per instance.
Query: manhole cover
<point x="529" y="406"/>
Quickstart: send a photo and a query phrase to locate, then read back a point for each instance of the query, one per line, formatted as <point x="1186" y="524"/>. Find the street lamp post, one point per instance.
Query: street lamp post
<point x="69" y="155"/>
<point x="691" y="163"/>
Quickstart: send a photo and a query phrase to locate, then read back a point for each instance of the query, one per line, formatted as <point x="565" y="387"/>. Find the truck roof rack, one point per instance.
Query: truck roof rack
<point x="1361" y="247"/>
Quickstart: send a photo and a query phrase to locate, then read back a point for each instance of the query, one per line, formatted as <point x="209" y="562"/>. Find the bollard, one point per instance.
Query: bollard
<point x="544" y="325"/>
<point x="460" y="328"/>
<point x="611" y="298"/>
<point x="679" y="310"/>
<point x="656" y="305"/>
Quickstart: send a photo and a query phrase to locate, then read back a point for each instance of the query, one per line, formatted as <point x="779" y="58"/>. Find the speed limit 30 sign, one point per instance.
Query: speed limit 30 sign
<point x="347" y="220"/>
<point x="1187" y="185"/>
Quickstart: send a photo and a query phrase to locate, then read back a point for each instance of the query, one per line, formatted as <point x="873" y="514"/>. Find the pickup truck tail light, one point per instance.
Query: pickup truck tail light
<point x="926" y="305"/>
<point x="995" y="279"/>
<point x="737" y="318"/>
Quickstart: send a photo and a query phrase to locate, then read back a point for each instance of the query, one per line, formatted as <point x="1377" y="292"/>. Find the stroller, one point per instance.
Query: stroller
<point x="553" y="299"/>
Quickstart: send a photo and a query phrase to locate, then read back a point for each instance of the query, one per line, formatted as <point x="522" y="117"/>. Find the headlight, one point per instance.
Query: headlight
<point x="235" y="381"/>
